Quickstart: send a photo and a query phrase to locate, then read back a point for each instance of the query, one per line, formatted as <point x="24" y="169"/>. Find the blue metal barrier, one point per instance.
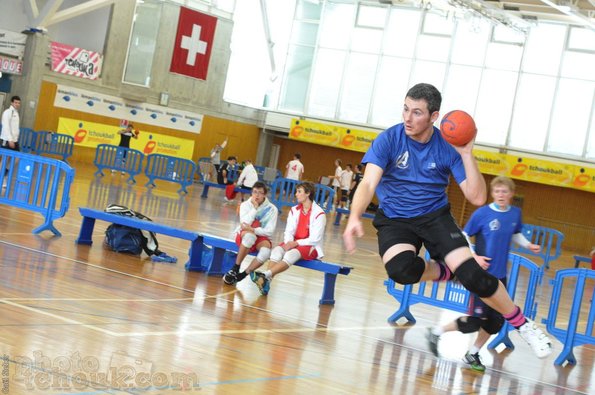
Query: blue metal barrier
<point x="268" y="175"/>
<point x="549" y="239"/>
<point x="453" y="296"/>
<point x="115" y="158"/>
<point x="54" y="144"/>
<point x="37" y="184"/>
<point x="27" y="138"/>
<point x="170" y="168"/>
<point x="206" y="171"/>
<point x="567" y="331"/>
<point x="283" y="194"/>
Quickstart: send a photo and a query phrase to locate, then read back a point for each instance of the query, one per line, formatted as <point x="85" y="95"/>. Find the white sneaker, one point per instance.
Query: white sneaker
<point x="540" y="343"/>
<point x="4" y="183"/>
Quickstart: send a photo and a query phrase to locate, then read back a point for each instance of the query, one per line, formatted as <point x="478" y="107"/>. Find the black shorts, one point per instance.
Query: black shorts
<point x="344" y="195"/>
<point x="477" y="307"/>
<point x="437" y="231"/>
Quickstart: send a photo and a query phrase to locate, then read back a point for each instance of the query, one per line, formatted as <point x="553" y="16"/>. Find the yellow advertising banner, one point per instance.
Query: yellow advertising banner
<point x="90" y="134"/>
<point x="513" y="166"/>
<point x="331" y="135"/>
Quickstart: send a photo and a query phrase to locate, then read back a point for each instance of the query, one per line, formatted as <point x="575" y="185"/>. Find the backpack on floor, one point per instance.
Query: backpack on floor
<point x="122" y="238"/>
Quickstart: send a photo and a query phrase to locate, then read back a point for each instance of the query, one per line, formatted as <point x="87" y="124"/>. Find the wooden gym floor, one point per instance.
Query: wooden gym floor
<point x="84" y="320"/>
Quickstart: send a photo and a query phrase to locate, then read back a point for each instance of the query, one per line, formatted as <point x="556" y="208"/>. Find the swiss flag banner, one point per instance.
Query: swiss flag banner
<point x="194" y="39"/>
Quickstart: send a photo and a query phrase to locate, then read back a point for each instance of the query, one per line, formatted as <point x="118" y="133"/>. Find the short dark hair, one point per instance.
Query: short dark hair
<point x="130" y="125"/>
<point x="297" y="155"/>
<point x="360" y="167"/>
<point x="261" y="185"/>
<point x="349" y="165"/>
<point x="308" y="187"/>
<point x="426" y="92"/>
<point x="12" y="99"/>
<point x="232" y="158"/>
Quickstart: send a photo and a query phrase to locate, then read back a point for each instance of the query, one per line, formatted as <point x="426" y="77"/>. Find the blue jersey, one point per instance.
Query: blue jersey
<point x="415" y="175"/>
<point x="493" y="230"/>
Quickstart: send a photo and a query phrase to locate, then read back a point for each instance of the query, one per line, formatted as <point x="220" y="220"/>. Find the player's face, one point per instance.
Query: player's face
<point x="502" y="195"/>
<point x="16" y="104"/>
<point x="417" y="119"/>
<point x="300" y="195"/>
<point x="258" y="196"/>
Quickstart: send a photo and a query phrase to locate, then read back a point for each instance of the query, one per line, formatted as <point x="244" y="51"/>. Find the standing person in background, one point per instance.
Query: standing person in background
<point x="346" y="180"/>
<point x="494" y="227"/>
<point x="294" y="168"/>
<point x="125" y="136"/>
<point x="248" y="177"/>
<point x="408" y="166"/>
<point x="216" y="155"/>
<point x="357" y="177"/>
<point x="11" y="129"/>
<point x="336" y="183"/>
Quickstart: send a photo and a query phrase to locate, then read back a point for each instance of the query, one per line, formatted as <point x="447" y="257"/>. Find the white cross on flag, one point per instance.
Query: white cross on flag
<point x="194" y="39"/>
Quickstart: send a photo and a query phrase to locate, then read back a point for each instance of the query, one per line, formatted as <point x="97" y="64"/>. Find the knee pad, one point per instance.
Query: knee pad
<point x="476" y="280"/>
<point x="493" y="324"/>
<point x="277" y="254"/>
<point x="292" y="256"/>
<point x="263" y="254"/>
<point x="469" y="324"/>
<point x="248" y="239"/>
<point x="405" y="268"/>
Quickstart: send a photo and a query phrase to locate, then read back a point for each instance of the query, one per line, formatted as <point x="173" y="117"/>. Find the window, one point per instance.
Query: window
<point x="392" y="80"/>
<point x="326" y="83"/>
<point x="357" y="91"/>
<point x="143" y="39"/>
<point x="543" y="49"/>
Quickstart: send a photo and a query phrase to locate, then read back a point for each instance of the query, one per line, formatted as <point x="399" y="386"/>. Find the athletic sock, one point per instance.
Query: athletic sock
<point x="473" y="350"/>
<point x="241" y="276"/>
<point x="268" y="274"/>
<point x="445" y="273"/>
<point x="516" y="318"/>
<point x="437" y="330"/>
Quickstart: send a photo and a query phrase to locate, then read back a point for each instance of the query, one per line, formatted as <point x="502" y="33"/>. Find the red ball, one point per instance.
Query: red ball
<point x="458" y="128"/>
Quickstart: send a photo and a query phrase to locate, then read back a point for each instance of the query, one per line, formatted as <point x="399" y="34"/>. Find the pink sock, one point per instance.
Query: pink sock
<point x="445" y="273"/>
<point x="516" y="318"/>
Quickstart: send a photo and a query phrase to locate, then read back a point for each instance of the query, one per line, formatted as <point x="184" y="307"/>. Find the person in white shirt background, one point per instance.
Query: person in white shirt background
<point x="295" y="168"/>
<point x="10" y="129"/>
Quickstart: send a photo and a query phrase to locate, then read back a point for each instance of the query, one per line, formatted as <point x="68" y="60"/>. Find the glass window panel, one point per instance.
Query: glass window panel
<point x="437" y="23"/>
<point x="570" y="117"/>
<point x="532" y="112"/>
<point x="544" y="48"/>
<point x="433" y="47"/>
<point x="581" y="39"/>
<point x="494" y="106"/>
<point x="225" y="5"/>
<point x="428" y="72"/>
<point x="470" y="43"/>
<point x="462" y="88"/>
<point x="143" y="40"/>
<point x="297" y="77"/>
<point x="357" y="89"/>
<point x="366" y="40"/>
<point x="304" y="33"/>
<point x="326" y="83"/>
<point x="401" y="32"/>
<point x="578" y="65"/>
<point x="504" y="56"/>
<point x="336" y="25"/>
<point x="591" y="142"/>
<point x="503" y="34"/>
<point x="308" y="10"/>
<point x="370" y="16"/>
<point x="392" y="82"/>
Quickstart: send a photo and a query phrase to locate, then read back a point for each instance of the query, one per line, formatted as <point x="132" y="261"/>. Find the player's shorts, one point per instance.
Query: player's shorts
<point x="344" y="195"/>
<point x="437" y="231"/>
<point x="259" y="239"/>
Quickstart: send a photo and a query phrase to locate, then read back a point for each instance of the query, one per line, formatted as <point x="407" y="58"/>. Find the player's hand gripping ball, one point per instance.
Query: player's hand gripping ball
<point x="458" y="128"/>
<point x="136" y="132"/>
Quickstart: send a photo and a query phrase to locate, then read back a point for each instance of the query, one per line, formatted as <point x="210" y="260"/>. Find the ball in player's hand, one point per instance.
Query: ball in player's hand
<point x="458" y="128"/>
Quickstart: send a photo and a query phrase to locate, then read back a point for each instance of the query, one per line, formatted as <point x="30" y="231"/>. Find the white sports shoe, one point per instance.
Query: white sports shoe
<point x="540" y="343"/>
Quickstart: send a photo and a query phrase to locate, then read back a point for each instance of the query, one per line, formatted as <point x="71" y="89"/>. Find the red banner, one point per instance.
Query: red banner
<point x="75" y="61"/>
<point x="194" y="40"/>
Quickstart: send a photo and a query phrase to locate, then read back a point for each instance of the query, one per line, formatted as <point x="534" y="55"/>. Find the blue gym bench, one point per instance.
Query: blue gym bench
<point x="90" y="215"/>
<point x="340" y="211"/>
<point x="221" y="246"/>
<point x="578" y="259"/>
<point x="209" y="184"/>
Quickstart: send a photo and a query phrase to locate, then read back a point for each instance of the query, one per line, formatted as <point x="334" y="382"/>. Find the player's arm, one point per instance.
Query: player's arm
<point x="474" y="186"/>
<point x="361" y="199"/>
<point x="521" y="240"/>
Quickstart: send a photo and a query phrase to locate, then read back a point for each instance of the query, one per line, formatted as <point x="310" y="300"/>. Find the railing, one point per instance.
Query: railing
<point x="549" y="239"/>
<point x="126" y="160"/>
<point x="170" y="168"/>
<point x="283" y="194"/>
<point x="37" y="184"/>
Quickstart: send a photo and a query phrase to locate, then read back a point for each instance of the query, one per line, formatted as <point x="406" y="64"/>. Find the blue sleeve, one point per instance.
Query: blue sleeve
<point x="473" y="225"/>
<point x="457" y="168"/>
<point x="379" y="150"/>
